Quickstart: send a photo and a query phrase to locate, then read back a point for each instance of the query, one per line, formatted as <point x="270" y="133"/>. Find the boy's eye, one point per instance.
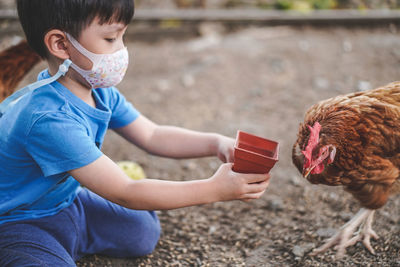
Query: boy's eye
<point x="110" y="39"/>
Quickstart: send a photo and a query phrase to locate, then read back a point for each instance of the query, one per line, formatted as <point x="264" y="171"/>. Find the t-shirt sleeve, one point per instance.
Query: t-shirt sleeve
<point x="58" y="143"/>
<point x="123" y="111"/>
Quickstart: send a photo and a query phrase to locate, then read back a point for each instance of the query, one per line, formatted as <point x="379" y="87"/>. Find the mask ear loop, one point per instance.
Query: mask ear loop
<point x="16" y="96"/>
<point x="95" y="58"/>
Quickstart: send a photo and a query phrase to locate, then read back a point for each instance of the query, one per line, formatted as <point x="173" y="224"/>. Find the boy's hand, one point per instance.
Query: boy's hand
<point x="230" y="185"/>
<point x="225" y="148"/>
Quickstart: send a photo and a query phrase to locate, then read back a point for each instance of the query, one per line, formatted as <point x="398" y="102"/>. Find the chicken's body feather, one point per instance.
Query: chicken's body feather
<point x="355" y="142"/>
<point x="15" y="63"/>
<point x="365" y="128"/>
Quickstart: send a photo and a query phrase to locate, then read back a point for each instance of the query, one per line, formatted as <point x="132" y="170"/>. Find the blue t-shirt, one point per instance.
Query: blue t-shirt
<point x="45" y="134"/>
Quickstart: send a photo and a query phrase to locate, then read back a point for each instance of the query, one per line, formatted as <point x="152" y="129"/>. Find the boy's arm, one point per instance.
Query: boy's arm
<point x="106" y="179"/>
<point x="175" y="142"/>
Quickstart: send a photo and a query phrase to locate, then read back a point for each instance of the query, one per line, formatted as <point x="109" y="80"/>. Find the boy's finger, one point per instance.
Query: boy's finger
<point x="251" y="196"/>
<point x="227" y="165"/>
<point x="256" y="178"/>
<point x="257" y="187"/>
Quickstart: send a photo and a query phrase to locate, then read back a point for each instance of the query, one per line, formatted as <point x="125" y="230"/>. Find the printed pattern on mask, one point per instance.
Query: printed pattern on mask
<point x="108" y="69"/>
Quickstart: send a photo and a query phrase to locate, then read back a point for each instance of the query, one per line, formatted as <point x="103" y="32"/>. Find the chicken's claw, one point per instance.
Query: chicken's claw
<point x="342" y="239"/>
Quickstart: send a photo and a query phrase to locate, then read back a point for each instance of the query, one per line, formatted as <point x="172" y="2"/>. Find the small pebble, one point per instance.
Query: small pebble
<point x="326" y="232"/>
<point x="275" y="204"/>
<point x="188" y="80"/>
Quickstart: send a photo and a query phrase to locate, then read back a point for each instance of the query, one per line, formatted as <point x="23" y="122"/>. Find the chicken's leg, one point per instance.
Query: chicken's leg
<point x="363" y="220"/>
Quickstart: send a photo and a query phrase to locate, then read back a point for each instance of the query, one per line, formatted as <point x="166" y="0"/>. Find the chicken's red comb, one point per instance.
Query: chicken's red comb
<point x="312" y="142"/>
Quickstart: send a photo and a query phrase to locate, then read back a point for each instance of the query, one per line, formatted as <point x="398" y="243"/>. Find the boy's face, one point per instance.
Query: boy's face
<point x="99" y="39"/>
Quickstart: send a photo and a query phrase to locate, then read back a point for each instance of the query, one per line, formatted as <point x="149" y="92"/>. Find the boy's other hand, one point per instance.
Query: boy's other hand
<point x="225" y="148"/>
<point x="230" y="185"/>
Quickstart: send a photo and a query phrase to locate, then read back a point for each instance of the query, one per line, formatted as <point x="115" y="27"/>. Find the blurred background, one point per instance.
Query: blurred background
<point x="264" y="4"/>
<point x="256" y="66"/>
<point x="182" y="18"/>
<point x="275" y="4"/>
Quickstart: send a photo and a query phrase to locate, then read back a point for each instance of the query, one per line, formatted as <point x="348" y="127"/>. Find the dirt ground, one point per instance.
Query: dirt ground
<point x="259" y="80"/>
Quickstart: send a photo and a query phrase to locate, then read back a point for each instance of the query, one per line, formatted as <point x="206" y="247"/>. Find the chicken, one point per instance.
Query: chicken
<point x="353" y="141"/>
<point x="15" y="63"/>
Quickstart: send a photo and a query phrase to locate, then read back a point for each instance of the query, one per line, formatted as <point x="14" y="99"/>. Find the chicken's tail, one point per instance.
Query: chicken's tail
<point x="15" y="63"/>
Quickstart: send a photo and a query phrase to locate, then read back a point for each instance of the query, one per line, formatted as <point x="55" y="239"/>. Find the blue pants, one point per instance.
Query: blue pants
<point x="91" y="225"/>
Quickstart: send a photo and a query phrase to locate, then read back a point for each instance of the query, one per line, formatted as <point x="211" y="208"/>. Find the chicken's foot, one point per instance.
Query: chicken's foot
<point x="343" y="238"/>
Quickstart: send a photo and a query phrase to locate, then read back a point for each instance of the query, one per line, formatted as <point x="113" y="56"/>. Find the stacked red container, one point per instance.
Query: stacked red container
<point x="254" y="154"/>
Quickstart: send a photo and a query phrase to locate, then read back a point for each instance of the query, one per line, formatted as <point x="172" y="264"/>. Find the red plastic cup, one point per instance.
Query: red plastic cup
<point x="253" y="154"/>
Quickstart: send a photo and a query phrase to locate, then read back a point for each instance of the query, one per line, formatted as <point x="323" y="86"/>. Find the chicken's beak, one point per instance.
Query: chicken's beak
<point x="307" y="171"/>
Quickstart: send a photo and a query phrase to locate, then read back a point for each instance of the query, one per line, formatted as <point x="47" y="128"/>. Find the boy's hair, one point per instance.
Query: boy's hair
<point x="37" y="17"/>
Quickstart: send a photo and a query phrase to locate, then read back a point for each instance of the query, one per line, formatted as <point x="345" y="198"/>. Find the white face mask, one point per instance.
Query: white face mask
<point x="107" y="70"/>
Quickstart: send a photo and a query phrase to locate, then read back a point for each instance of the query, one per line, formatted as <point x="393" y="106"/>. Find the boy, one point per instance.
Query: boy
<point x="50" y="145"/>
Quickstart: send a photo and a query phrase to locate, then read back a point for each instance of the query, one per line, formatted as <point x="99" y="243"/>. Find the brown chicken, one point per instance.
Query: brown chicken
<point x="15" y="63"/>
<point x="353" y="141"/>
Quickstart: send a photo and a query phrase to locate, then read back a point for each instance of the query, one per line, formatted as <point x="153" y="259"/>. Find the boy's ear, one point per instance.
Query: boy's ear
<point x="56" y="43"/>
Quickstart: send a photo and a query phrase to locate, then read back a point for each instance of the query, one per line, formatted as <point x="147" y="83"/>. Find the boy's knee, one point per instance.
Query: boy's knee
<point x="145" y="236"/>
<point x="33" y="257"/>
<point x="149" y="239"/>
